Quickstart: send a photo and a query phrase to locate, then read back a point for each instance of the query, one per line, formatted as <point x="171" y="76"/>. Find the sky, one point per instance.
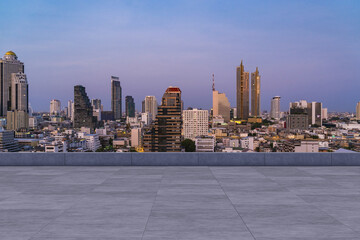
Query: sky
<point x="304" y="49"/>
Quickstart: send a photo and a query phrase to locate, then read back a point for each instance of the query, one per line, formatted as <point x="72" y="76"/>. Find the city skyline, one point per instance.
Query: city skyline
<point x="295" y="57"/>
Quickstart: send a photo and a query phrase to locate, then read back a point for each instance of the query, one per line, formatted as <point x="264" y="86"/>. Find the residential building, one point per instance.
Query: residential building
<point x="205" y="143"/>
<point x="275" y="108"/>
<point x="7" y="142"/>
<point x="195" y="123"/>
<point x="55" y="107"/>
<point x="255" y="94"/>
<point x="150" y="105"/>
<point x="136" y="137"/>
<point x="242" y="93"/>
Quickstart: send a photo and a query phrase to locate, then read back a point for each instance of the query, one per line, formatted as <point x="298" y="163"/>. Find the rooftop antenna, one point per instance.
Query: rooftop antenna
<point x="213" y="80"/>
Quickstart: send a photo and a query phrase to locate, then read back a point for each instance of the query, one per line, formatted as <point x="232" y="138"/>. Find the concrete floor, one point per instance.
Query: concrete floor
<point x="181" y="203"/>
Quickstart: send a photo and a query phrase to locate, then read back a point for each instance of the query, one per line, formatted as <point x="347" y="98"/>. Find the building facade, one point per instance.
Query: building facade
<point x="358" y="111"/>
<point x="195" y="123"/>
<point x="221" y="104"/>
<point x="242" y="93"/>
<point x="255" y="94"/>
<point x="116" y="97"/>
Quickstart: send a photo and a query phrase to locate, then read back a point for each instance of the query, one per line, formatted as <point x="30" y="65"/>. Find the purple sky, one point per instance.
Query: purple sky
<point x="304" y="49"/>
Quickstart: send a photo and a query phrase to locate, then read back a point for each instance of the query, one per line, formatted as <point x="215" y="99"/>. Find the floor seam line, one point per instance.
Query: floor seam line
<point x="232" y="204"/>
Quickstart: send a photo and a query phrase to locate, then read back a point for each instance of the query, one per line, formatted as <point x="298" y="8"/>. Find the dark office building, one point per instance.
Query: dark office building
<point x="129" y="106"/>
<point x="165" y="135"/>
<point x="116" y="96"/>
<point x="83" y="111"/>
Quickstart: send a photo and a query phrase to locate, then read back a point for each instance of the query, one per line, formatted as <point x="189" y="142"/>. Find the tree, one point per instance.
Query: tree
<point x="189" y="145"/>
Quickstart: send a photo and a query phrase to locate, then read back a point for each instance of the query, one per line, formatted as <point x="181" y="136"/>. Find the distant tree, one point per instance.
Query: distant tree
<point x="189" y="145"/>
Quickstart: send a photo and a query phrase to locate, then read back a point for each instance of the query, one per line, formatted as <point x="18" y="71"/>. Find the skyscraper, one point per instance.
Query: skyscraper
<point x="195" y="123"/>
<point x="55" y="107"/>
<point x="314" y="113"/>
<point x="242" y="93"/>
<point x="96" y="103"/>
<point x="151" y="106"/>
<point x="275" y="107"/>
<point x="221" y="104"/>
<point x="255" y="94"/>
<point x="70" y="112"/>
<point x="18" y="116"/>
<point x="358" y="111"/>
<point x="83" y="111"/>
<point x="8" y="64"/>
<point x="129" y="106"/>
<point x="116" y="105"/>
<point x="165" y="136"/>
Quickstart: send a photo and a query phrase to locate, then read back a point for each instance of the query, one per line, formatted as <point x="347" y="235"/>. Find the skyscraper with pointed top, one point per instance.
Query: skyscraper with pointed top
<point x="255" y="94"/>
<point x="242" y="93"/>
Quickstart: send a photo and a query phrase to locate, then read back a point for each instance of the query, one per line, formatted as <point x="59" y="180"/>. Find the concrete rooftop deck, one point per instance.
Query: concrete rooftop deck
<point x="179" y="203"/>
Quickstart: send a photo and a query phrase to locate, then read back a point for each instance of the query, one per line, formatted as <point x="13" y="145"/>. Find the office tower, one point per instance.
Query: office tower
<point x="165" y="136"/>
<point x="7" y="142"/>
<point x="83" y="111"/>
<point x="129" y="106"/>
<point x="55" y="107"/>
<point x="151" y="106"/>
<point x="8" y="64"/>
<point x="324" y="113"/>
<point x="136" y="137"/>
<point x="195" y="123"/>
<point x="275" y="108"/>
<point x="358" y="111"/>
<point x="143" y="106"/>
<point x="242" y="93"/>
<point x="70" y="109"/>
<point x="116" y="105"/>
<point x="314" y="113"/>
<point x="221" y="104"/>
<point x="18" y="116"/>
<point x="255" y="94"/>
<point x="96" y="103"/>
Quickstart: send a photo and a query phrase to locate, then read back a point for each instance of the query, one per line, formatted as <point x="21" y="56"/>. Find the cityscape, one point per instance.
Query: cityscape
<point x="164" y="125"/>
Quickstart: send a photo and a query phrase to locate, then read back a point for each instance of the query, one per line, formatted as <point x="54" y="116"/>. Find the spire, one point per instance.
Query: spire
<point x="257" y="70"/>
<point x="213" y="85"/>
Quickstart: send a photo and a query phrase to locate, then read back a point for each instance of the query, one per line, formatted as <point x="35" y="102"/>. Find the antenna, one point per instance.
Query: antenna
<point x="213" y="85"/>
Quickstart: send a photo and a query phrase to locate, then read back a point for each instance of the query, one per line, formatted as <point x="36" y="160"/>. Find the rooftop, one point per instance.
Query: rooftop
<point x="179" y="203"/>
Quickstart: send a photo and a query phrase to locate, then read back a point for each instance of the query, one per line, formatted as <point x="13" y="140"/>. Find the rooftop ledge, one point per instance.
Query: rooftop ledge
<point x="179" y="159"/>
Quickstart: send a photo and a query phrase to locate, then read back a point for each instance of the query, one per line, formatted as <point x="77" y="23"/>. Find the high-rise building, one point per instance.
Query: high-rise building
<point x="70" y="112"/>
<point x="150" y="105"/>
<point x="136" y="137"/>
<point x="298" y="117"/>
<point x="195" y="123"/>
<point x="18" y="116"/>
<point x="8" y="64"/>
<point x="315" y="113"/>
<point x="275" y="107"/>
<point x="129" y="106"/>
<point x="324" y="113"/>
<point x="116" y="105"/>
<point x="358" y="111"/>
<point x="242" y="93"/>
<point x="83" y="111"/>
<point x="255" y="94"/>
<point x="221" y="104"/>
<point x="55" y="107"/>
<point x="165" y="136"/>
<point x="7" y="142"/>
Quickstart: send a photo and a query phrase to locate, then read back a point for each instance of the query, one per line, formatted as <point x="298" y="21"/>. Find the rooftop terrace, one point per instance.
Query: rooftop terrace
<point x="181" y="203"/>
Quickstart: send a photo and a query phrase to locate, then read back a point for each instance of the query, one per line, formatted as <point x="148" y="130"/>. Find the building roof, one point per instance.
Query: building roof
<point x="10" y="53"/>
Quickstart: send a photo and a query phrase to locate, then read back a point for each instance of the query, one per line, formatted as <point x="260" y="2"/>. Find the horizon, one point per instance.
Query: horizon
<point x="304" y="50"/>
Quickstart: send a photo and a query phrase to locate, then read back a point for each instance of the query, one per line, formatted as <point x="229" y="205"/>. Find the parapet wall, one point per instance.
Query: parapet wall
<point x="179" y="159"/>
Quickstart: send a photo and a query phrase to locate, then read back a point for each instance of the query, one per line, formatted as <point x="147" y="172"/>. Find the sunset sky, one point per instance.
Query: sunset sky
<point x="304" y="49"/>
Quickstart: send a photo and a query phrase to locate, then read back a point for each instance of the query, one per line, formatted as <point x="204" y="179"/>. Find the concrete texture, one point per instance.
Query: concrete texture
<point x="181" y="203"/>
<point x="179" y="159"/>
